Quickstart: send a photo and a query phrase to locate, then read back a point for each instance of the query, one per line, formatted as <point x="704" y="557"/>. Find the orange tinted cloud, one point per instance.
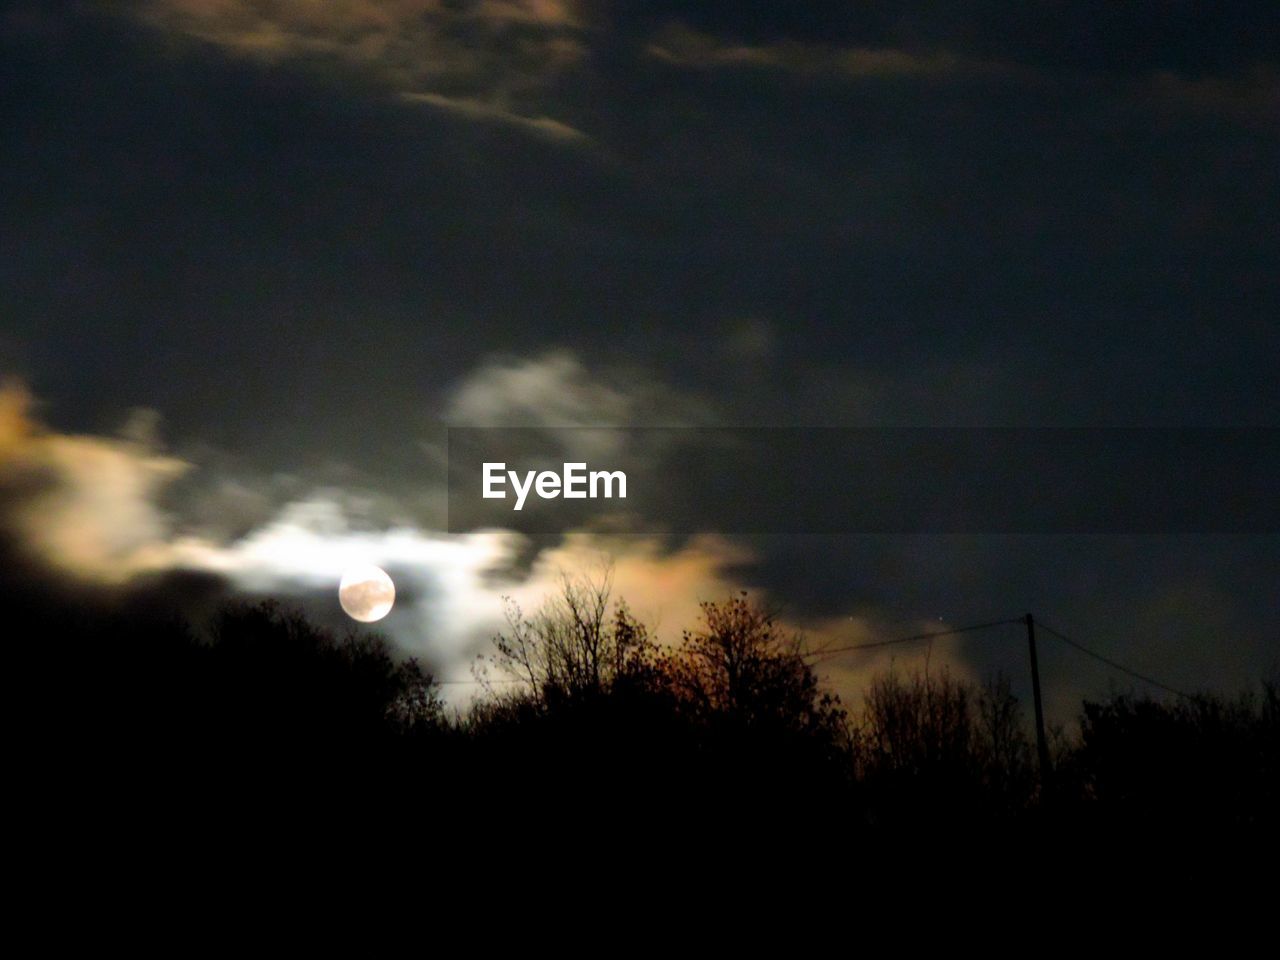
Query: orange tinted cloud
<point x="406" y="42"/>
<point x="84" y="504"/>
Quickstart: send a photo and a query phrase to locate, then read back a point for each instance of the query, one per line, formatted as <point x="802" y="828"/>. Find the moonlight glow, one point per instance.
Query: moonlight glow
<point x="366" y="593"/>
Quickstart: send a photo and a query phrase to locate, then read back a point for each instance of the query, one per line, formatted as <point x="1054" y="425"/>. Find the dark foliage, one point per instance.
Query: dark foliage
<point x="1178" y="766"/>
<point x="134" y="722"/>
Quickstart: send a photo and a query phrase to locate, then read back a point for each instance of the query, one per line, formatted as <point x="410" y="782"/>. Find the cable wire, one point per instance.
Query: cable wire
<point x="933" y="635"/>
<point x="914" y="637"/>
<point x="1111" y="663"/>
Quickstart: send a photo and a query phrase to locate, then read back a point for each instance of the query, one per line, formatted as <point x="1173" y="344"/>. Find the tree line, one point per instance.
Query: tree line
<point x="588" y="727"/>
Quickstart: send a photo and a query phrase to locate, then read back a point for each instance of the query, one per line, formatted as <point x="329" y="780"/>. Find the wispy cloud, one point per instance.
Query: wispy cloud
<point x="556" y="389"/>
<point x="544" y="127"/>
<point x="407" y="44"/>
<point x="684" y="47"/>
<point x="88" y="510"/>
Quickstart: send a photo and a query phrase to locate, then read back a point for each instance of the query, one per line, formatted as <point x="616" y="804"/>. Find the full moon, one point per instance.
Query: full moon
<point x="366" y="593"/>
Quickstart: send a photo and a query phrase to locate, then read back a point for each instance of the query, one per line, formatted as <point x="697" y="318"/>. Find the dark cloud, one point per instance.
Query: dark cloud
<point x="346" y="255"/>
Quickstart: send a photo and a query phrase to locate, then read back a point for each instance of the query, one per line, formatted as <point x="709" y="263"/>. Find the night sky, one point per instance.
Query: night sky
<point x="256" y="256"/>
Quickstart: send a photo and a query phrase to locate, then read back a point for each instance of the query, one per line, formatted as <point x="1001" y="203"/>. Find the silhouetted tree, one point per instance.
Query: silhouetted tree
<point x="1003" y="747"/>
<point x="416" y="707"/>
<point x="928" y="742"/>
<point x="260" y="720"/>
<point x="576" y="643"/>
<point x="1191" y="764"/>
<point x="741" y="668"/>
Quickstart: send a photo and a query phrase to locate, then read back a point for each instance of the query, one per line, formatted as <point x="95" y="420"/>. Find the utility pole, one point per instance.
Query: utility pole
<point x="1042" y="745"/>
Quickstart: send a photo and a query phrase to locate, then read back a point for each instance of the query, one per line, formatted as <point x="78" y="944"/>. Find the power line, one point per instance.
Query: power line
<point x="1113" y="664"/>
<point x="874" y="644"/>
<point x="829" y="651"/>
<point x="933" y="635"/>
